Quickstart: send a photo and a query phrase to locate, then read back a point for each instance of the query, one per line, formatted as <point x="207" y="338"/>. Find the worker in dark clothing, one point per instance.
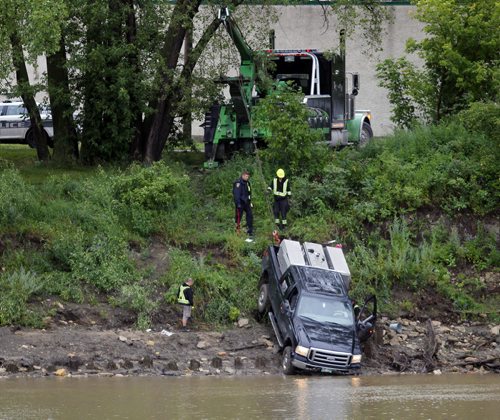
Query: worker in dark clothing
<point x="243" y="201"/>
<point x="280" y="188"/>
<point x="185" y="299"/>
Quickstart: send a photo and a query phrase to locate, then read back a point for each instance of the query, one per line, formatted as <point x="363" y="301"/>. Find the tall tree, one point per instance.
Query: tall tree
<point x="460" y="56"/>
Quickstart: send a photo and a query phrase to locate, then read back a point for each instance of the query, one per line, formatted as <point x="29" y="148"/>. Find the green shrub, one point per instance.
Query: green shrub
<point x="152" y="188"/>
<point x="16" y="288"/>
<point x="137" y="298"/>
<point x="483" y="118"/>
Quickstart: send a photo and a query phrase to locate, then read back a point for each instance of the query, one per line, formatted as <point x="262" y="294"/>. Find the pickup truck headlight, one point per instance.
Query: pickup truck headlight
<point x="303" y="351"/>
<point x="356" y="358"/>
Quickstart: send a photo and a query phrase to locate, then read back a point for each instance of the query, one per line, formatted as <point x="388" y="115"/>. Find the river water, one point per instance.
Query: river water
<point x="268" y="397"/>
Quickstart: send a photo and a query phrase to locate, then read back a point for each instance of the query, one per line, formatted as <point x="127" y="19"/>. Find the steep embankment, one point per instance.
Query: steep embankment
<point x="417" y="215"/>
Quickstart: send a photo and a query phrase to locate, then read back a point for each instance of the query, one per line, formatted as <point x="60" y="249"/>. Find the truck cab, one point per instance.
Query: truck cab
<point x="304" y="292"/>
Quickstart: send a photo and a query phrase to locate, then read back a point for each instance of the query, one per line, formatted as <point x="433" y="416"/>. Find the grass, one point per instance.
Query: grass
<point x="412" y="212"/>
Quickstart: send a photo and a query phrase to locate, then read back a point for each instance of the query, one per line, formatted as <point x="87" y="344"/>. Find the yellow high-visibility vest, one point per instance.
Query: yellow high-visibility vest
<point x="181" y="298"/>
<point x="283" y="193"/>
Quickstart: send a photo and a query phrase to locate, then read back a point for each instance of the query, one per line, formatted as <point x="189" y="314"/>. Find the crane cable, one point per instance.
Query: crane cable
<point x="257" y="155"/>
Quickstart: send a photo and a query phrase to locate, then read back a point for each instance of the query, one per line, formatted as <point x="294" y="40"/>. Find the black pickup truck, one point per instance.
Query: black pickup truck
<point x="304" y="290"/>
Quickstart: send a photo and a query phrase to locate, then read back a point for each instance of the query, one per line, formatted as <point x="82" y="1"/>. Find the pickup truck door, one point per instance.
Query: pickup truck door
<point x="286" y="312"/>
<point x="366" y="319"/>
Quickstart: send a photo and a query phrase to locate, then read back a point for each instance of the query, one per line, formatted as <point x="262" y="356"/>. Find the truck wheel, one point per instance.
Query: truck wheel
<point x="286" y="361"/>
<point x="208" y="150"/>
<point x="263" y="301"/>
<point x="30" y="139"/>
<point x="366" y="134"/>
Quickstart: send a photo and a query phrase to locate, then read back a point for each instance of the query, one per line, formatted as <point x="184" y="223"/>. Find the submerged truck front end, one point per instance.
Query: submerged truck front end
<point x="304" y="291"/>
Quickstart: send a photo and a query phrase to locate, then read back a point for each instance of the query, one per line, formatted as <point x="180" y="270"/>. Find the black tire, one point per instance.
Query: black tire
<point x="366" y="134"/>
<point x="263" y="300"/>
<point x="30" y="139"/>
<point x="286" y="361"/>
<point x="209" y="147"/>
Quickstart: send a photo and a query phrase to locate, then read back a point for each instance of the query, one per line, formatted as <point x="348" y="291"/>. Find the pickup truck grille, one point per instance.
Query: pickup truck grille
<point x="329" y="359"/>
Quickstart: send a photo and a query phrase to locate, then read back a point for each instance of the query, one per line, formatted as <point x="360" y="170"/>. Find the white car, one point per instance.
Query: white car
<point x="15" y="125"/>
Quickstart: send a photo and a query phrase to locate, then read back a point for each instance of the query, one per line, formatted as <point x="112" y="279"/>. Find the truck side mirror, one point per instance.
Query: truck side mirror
<point x="355" y="84"/>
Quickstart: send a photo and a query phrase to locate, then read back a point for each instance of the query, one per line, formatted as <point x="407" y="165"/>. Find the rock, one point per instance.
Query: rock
<point x="111" y="365"/>
<point x="60" y="305"/>
<point x="3" y="370"/>
<point x="172" y="365"/>
<point x="127" y="364"/>
<point x="74" y="363"/>
<point x="202" y="345"/>
<point x="216" y="362"/>
<point x="238" y="363"/>
<point x="122" y="338"/>
<point x="194" y="364"/>
<point x="242" y="322"/>
<point x="394" y="341"/>
<point x="260" y="362"/>
<point x="471" y="359"/>
<point x="437" y="372"/>
<point x="495" y="330"/>
<point x="11" y="368"/>
<point x="436" y="324"/>
<point x="229" y="370"/>
<point x="146" y="362"/>
<point x="150" y="343"/>
<point x="222" y="354"/>
<point x="268" y="343"/>
<point x="60" y="372"/>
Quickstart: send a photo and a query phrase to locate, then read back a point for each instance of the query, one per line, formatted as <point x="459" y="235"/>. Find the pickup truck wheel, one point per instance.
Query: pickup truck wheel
<point x="263" y="301"/>
<point x="286" y="361"/>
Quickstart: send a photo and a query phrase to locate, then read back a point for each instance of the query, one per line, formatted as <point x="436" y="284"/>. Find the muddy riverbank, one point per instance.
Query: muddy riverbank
<point x="79" y="342"/>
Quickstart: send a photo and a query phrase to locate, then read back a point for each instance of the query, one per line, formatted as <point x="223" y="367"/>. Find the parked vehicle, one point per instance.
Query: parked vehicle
<point x="15" y="124"/>
<point x="329" y="94"/>
<point x="304" y="291"/>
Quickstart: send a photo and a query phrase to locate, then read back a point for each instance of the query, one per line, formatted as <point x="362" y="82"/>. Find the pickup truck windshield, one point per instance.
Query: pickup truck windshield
<point x="323" y="310"/>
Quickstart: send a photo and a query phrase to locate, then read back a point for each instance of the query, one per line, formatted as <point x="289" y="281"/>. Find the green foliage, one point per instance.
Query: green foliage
<point x="460" y="63"/>
<point x="151" y="188"/>
<point x="483" y="118"/>
<point x="283" y="118"/>
<point x="219" y="292"/>
<point x="16" y="288"/>
<point x="410" y="91"/>
<point x="138" y="298"/>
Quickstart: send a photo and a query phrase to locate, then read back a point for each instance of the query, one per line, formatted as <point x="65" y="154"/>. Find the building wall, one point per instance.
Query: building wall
<point x="301" y="27"/>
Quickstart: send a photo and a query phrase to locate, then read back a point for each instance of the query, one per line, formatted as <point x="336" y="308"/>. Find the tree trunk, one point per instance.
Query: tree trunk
<point x="65" y="137"/>
<point x="177" y="91"/>
<point x="27" y="95"/>
<point x="137" y="146"/>
<point x="182" y="18"/>
<point x="186" y="117"/>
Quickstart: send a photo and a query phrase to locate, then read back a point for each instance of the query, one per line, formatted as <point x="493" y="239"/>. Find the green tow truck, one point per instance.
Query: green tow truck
<point x="329" y="94"/>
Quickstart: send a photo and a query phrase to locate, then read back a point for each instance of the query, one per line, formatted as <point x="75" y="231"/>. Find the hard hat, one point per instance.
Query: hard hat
<point x="280" y="173"/>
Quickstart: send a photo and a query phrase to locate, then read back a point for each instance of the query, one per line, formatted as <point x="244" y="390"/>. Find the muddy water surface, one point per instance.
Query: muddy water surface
<point x="271" y="397"/>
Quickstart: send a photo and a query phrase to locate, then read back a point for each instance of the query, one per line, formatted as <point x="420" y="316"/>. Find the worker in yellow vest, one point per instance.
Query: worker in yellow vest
<point x="280" y="188"/>
<point x="185" y="299"/>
